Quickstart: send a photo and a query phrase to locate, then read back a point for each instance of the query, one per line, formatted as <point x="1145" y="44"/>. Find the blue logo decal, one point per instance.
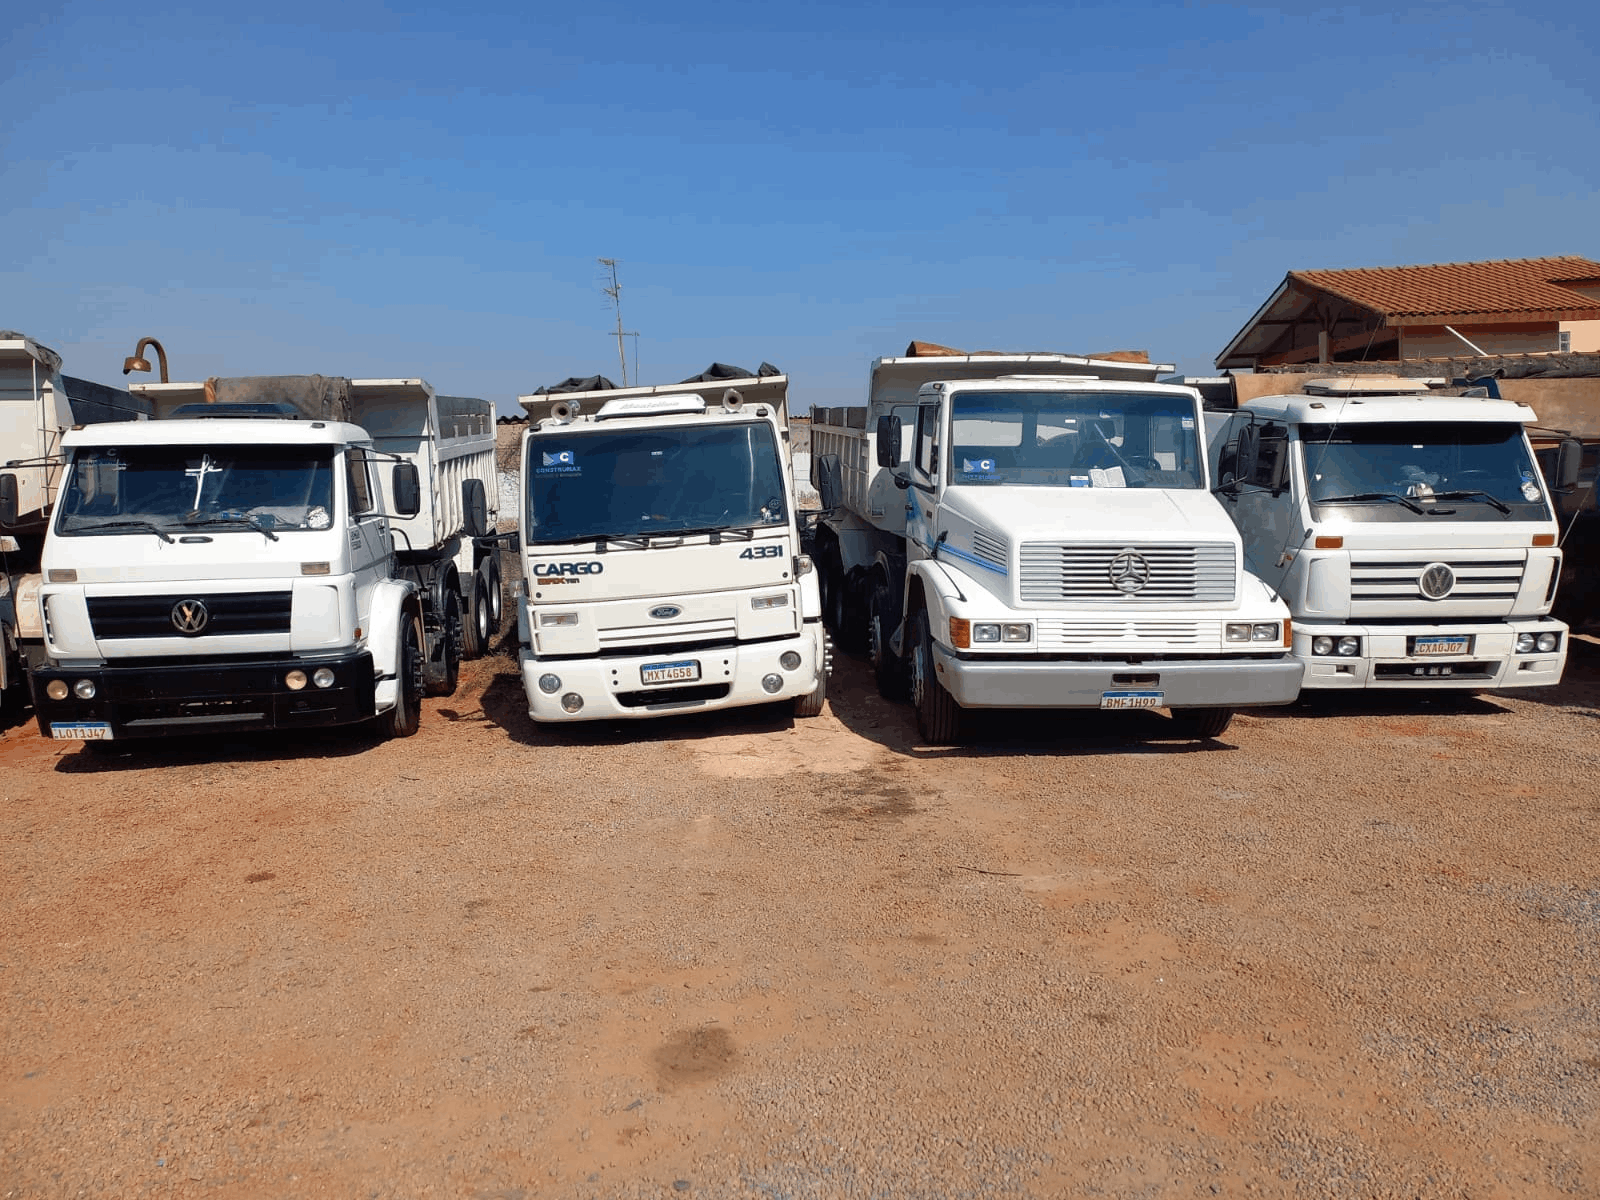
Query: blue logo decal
<point x="561" y="458"/>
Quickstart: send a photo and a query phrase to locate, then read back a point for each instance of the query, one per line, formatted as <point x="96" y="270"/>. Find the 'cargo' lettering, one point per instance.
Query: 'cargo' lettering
<point x="547" y="570"/>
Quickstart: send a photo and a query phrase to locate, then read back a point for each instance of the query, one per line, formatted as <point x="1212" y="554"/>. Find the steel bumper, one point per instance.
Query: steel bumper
<point x="1183" y="683"/>
<point x="211" y="697"/>
<point x="1491" y="665"/>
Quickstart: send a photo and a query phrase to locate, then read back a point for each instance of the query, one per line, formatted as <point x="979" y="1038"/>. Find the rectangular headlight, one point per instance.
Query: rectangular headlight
<point x="781" y="600"/>
<point x="1016" y="633"/>
<point x="986" y="633"/>
<point x="1267" y="631"/>
<point x="547" y="619"/>
<point x="1238" y="633"/>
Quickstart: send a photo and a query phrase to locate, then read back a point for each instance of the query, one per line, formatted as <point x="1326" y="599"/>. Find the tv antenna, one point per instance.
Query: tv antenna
<point x="614" y="294"/>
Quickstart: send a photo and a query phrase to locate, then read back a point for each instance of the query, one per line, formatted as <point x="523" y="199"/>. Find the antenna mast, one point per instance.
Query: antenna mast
<point x="614" y="294"/>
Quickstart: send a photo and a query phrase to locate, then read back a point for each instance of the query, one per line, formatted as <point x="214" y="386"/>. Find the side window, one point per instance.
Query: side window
<point x="360" y="477"/>
<point x="927" y="438"/>
<point x="1274" y="446"/>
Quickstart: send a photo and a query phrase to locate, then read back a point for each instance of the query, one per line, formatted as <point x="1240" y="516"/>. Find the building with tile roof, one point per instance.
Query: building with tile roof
<point x="1504" y="306"/>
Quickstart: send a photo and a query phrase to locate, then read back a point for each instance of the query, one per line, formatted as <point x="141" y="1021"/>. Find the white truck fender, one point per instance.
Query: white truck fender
<point x="392" y="600"/>
<point x="938" y="589"/>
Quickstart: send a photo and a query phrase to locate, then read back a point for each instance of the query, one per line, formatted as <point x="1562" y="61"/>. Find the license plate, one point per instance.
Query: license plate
<point x="81" y="731"/>
<point x="1130" y="699"/>
<point x="670" y="672"/>
<point x="1439" y="645"/>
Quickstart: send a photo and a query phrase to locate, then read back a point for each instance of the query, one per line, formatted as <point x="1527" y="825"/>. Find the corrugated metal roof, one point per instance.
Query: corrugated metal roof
<point x="1510" y="286"/>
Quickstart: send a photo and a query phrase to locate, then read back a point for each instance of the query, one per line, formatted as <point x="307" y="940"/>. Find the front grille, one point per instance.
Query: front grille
<point x="1146" y="635"/>
<point x="649" y="697"/>
<point x="989" y="548"/>
<point x="1453" y="670"/>
<point x="663" y="633"/>
<point x="1056" y="571"/>
<point x="1486" y="579"/>
<point x="227" y="613"/>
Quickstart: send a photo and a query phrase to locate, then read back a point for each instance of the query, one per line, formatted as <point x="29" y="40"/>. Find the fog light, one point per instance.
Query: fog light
<point x="57" y="689"/>
<point x="1267" y="631"/>
<point x="572" y="702"/>
<point x="1548" y="642"/>
<point x="771" y="683"/>
<point x="323" y="677"/>
<point x="549" y="684"/>
<point x="295" y="680"/>
<point x="1016" y="633"/>
<point x="1525" y="643"/>
<point x="84" y="689"/>
<point x="986" y="633"/>
<point x="1322" y="645"/>
<point x="788" y="660"/>
<point x="1349" y="646"/>
<point x="1238" y="633"/>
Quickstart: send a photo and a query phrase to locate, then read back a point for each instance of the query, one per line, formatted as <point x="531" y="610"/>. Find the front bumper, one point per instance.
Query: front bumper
<point x="730" y="676"/>
<point x="1385" y="661"/>
<point x="1183" y="683"/>
<point x="206" y="697"/>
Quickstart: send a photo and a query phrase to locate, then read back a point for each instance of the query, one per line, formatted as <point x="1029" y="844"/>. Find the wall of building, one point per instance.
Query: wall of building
<point x="1435" y="341"/>
<point x="1585" y="336"/>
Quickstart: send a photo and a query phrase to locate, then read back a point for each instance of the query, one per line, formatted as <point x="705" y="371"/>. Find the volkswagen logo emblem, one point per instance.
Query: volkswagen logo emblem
<point x="190" y="617"/>
<point x="665" y="612"/>
<point x="1129" y="571"/>
<point x="1436" y="581"/>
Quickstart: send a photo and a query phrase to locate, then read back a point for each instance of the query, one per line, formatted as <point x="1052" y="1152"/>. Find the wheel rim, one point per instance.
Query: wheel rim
<point x="919" y="670"/>
<point x="481" y="617"/>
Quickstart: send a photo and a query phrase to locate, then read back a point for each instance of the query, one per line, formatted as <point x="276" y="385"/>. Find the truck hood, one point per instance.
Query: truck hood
<point x="1093" y="514"/>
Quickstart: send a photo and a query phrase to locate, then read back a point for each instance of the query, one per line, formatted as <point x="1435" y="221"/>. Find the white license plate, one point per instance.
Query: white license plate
<point x="81" y="731"/>
<point x="670" y="672"/>
<point x="1130" y="699"/>
<point x="1439" y="645"/>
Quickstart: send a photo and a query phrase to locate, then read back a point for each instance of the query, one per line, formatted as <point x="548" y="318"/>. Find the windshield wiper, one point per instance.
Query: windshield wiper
<point x="1486" y="497"/>
<point x="147" y="526"/>
<point x="232" y="519"/>
<point x="1372" y="497"/>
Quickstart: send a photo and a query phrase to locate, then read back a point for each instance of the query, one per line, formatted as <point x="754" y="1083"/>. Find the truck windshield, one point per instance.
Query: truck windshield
<point x="141" y="489"/>
<point x="1471" y="472"/>
<point x="1073" y="439"/>
<point x="628" y="483"/>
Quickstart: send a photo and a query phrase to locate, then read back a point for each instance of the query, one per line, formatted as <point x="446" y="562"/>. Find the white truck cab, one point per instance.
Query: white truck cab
<point x="661" y="555"/>
<point x="1412" y="536"/>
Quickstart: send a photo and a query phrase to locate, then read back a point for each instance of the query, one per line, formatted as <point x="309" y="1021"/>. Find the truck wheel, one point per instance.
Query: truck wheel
<point x="811" y="705"/>
<point x="940" y="720"/>
<point x="1204" y="722"/>
<point x="444" y="664"/>
<point x="833" y="594"/>
<point x="491" y="579"/>
<point x="887" y="667"/>
<point x="477" y="631"/>
<point x="405" y="717"/>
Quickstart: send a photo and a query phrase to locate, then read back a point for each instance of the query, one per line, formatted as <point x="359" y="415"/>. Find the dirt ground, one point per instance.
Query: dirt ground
<point x="1349" y="949"/>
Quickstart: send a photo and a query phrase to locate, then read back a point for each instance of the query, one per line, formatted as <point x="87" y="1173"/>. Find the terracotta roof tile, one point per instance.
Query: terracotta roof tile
<point x="1513" y="285"/>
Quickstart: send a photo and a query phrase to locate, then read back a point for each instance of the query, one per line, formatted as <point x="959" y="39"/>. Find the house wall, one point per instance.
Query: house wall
<point x="1570" y="404"/>
<point x="1585" y="336"/>
<point x="1435" y="341"/>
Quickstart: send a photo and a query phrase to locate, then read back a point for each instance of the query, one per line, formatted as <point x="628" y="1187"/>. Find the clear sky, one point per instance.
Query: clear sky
<point x="381" y="190"/>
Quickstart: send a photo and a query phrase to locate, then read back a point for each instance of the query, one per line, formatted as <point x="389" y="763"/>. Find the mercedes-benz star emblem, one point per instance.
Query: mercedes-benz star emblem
<point x="190" y="616"/>
<point x="1128" y="571"/>
<point x="1436" y="581"/>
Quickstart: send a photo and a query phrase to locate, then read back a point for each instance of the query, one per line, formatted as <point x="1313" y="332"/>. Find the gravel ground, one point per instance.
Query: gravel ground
<point x="1349" y="949"/>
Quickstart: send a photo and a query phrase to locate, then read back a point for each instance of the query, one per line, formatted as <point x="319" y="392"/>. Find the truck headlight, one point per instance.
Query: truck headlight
<point x="1548" y="642"/>
<point x="295" y="680"/>
<point x="1349" y="646"/>
<point x="323" y="677"/>
<point x="84" y="689"/>
<point x="1238" y="633"/>
<point x="985" y="633"/>
<point x="57" y="689"/>
<point x="549" y="684"/>
<point x="572" y="702"/>
<point x="1525" y="643"/>
<point x="1266" y="631"/>
<point x="1016" y="633"/>
<point x="1322" y="644"/>
<point x="789" y="660"/>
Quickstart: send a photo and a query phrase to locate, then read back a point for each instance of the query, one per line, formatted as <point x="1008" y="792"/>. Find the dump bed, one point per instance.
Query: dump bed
<point x="770" y="390"/>
<point x="450" y="438"/>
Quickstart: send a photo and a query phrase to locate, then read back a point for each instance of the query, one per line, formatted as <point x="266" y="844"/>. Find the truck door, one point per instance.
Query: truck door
<point x="1265" y="507"/>
<point x="921" y="519"/>
<point x="368" y="533"/>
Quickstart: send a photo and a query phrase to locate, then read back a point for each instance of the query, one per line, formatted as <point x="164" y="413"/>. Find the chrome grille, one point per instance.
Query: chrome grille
<point x="1056" y="571"/>
<point x="1150" y="636"/>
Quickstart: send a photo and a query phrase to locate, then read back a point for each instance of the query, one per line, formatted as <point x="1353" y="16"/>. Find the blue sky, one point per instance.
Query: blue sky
<point x="369" y="189"/>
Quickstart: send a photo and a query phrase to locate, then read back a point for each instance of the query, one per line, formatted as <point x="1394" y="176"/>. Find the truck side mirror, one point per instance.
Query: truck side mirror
<point x="407" y="488"/>
<point x="889" y="441"/>
<point x="474" y="509"/>
<point x="1280" y="466"/>
<point x="8" y="500"/>
<point x="1569" y="458"/>
<point x="828" y="481"/>
<point x="1245" y="459"/>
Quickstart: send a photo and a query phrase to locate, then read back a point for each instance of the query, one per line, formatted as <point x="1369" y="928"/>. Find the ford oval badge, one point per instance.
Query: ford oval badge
<point x="665" y="612"/>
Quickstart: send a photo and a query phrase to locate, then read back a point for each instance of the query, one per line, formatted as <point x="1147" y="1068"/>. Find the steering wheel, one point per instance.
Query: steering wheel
<point x="1122" y="459"/>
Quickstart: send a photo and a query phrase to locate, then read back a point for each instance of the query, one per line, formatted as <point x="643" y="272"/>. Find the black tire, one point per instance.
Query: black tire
<point x="405" y="718"/>
<point x="444" y="661"/>
<point x="811" y="705"/>
<point x="1204" y="722"/>
<point x="477" y="630"/>
<point x="940" y="720"/>
<point x="887" y="667"/>
<point x="497" y="602"/>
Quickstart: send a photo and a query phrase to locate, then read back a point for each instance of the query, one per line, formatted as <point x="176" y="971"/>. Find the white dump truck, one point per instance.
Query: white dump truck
<point x="1036" y="531"/>
<point x="233" y="564"/>
<point x="1411" y="534"/>
<point x="38" y="405"/>
<point x="661" y="554"/>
